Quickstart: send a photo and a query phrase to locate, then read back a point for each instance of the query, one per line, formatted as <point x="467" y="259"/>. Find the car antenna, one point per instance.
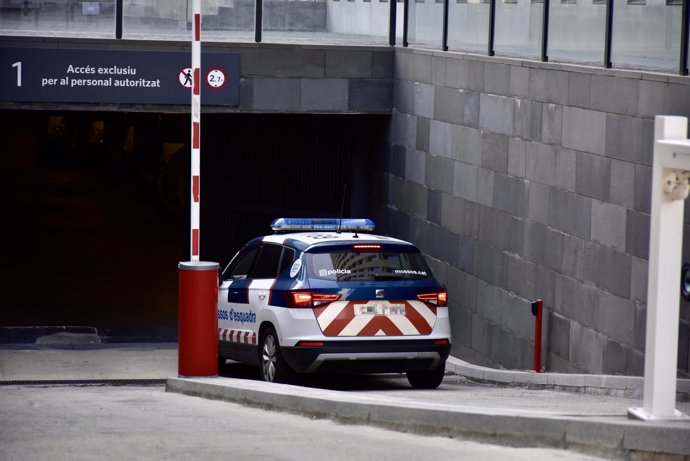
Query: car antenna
<point x="342" y="207"/>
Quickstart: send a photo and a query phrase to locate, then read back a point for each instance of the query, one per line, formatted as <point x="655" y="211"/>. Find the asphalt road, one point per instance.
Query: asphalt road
<point x="160" y="362"/>
<point x="85" y="423"/>
<point x="117" y="422"/>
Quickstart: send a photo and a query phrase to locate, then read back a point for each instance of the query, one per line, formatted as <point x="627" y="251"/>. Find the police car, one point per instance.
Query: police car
<point x="327" y="296"/>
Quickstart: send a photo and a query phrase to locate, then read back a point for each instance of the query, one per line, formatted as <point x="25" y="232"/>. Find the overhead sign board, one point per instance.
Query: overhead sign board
<point x="113" y="76"/>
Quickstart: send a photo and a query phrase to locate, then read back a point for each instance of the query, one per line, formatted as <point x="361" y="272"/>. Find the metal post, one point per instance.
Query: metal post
<point x="537" y="311"/>
<point x="670" y="187"/>
<point x="609" y="34"/>
<point x="492" y="21"/>
<point x="406" y="15"/>
<point x="258" y="20"/>
<point x="684" y="40"/>
<point x="444" y="44"/>
<point x="545" y="33"/>
<point x="118" y="19"/>
<point x="196" y="131"/>
<point x="392" y="18"/>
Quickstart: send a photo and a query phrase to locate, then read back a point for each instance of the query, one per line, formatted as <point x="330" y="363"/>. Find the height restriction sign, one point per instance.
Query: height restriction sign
<point x="215" y="78"/>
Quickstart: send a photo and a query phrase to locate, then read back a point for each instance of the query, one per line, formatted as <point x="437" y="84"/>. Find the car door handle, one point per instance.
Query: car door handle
<point x="262" y="295"/>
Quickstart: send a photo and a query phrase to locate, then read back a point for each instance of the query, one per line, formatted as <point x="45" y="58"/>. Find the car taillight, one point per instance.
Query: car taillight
<point x="299" y="299"/>
<point x="307" y="299"/>
<point x="439" y="298"/>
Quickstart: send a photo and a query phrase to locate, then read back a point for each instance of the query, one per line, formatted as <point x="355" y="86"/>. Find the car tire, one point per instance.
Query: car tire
<point x="427" y="379"/>
<point x="272" y="366"/>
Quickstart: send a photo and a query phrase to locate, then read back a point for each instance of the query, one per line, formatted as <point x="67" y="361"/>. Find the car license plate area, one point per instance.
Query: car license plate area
<point x="379" y="308"/>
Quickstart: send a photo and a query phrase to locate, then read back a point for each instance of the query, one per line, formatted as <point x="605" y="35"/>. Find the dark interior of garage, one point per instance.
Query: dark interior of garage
<point x="98" y="208"/>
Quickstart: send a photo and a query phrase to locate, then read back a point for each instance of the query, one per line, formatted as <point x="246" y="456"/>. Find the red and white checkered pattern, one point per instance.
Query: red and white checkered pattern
<point x="343" y="318"/>
<point x="237" y="336"/>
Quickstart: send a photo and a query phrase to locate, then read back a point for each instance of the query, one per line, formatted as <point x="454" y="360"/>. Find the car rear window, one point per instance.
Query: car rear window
<point x="364" y="266"/>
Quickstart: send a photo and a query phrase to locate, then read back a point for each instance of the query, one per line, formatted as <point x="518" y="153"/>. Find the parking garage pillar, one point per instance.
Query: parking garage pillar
<point x="198" y="318"/>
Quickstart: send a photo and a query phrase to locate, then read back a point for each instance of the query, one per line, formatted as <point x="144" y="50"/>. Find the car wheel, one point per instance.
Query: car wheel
<point x="272" y="366"/>
<point x="427" y="379"/>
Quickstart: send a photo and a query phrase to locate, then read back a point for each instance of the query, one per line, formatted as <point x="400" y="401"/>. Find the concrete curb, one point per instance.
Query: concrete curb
<point x="616" y="437"/>
<point x="617" y="386"/>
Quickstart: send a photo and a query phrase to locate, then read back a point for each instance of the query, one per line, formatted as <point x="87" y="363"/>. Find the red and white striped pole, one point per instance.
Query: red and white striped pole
<point x="196" y="131"/>
<point x="198" y="280"/>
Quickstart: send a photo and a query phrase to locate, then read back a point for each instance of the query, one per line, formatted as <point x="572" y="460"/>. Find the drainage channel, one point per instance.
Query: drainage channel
<point x="87" y="382"/>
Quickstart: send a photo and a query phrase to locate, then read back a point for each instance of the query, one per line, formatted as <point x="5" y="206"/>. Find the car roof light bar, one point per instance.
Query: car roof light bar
<point x="322" y="224"/>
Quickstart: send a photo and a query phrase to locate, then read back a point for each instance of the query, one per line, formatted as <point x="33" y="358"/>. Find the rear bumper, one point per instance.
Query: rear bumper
<point x="367" y="356"/>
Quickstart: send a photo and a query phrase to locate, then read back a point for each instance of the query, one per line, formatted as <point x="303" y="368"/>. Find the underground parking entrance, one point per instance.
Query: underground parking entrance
<point x="97" y="213"/>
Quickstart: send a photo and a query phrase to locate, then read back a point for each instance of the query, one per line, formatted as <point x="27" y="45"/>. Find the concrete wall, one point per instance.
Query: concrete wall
<point x="525" y="180"/>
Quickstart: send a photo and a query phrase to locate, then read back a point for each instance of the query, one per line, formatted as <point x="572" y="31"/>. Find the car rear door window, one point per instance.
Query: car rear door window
<point x="266" y="266"/>
<point x="240" y="269"/>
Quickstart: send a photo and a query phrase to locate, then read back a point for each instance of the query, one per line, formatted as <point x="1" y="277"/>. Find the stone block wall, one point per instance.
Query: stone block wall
<point x="523" y="180"/>
<point x="299" y="79"/>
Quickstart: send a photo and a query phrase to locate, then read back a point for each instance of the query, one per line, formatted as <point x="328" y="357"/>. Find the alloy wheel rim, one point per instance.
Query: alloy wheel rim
<point x="268" y="358"/>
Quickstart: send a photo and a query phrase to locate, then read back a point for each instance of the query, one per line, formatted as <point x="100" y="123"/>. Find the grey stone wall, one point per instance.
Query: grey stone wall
<point x="302" y="79"/>
<point x="525" y="180"/>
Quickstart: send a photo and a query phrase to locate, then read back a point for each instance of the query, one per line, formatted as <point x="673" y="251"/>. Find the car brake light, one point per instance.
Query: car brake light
<point x="441" y="342"/>
<point x="307" y="299"/>
<point x="439" y="298"/>
<point x="366" y="247"/>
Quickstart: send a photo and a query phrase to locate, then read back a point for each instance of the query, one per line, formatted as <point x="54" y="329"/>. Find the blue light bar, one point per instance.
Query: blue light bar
<point x="322" y="224"/>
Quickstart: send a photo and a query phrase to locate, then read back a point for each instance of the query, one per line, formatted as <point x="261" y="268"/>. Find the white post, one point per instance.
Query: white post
<point x="669" y="189"/>
<point x="196" y="131"/>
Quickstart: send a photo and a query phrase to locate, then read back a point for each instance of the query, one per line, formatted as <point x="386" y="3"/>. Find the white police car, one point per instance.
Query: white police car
<point x="321" y="296"/>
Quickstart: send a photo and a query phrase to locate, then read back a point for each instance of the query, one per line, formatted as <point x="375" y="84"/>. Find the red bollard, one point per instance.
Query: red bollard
<point x="537" y="312"/>
<point x="198" y="318"/>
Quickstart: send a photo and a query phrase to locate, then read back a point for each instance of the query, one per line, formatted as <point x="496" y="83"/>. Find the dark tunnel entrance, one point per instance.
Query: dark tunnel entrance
<point x="97" y="204"/>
